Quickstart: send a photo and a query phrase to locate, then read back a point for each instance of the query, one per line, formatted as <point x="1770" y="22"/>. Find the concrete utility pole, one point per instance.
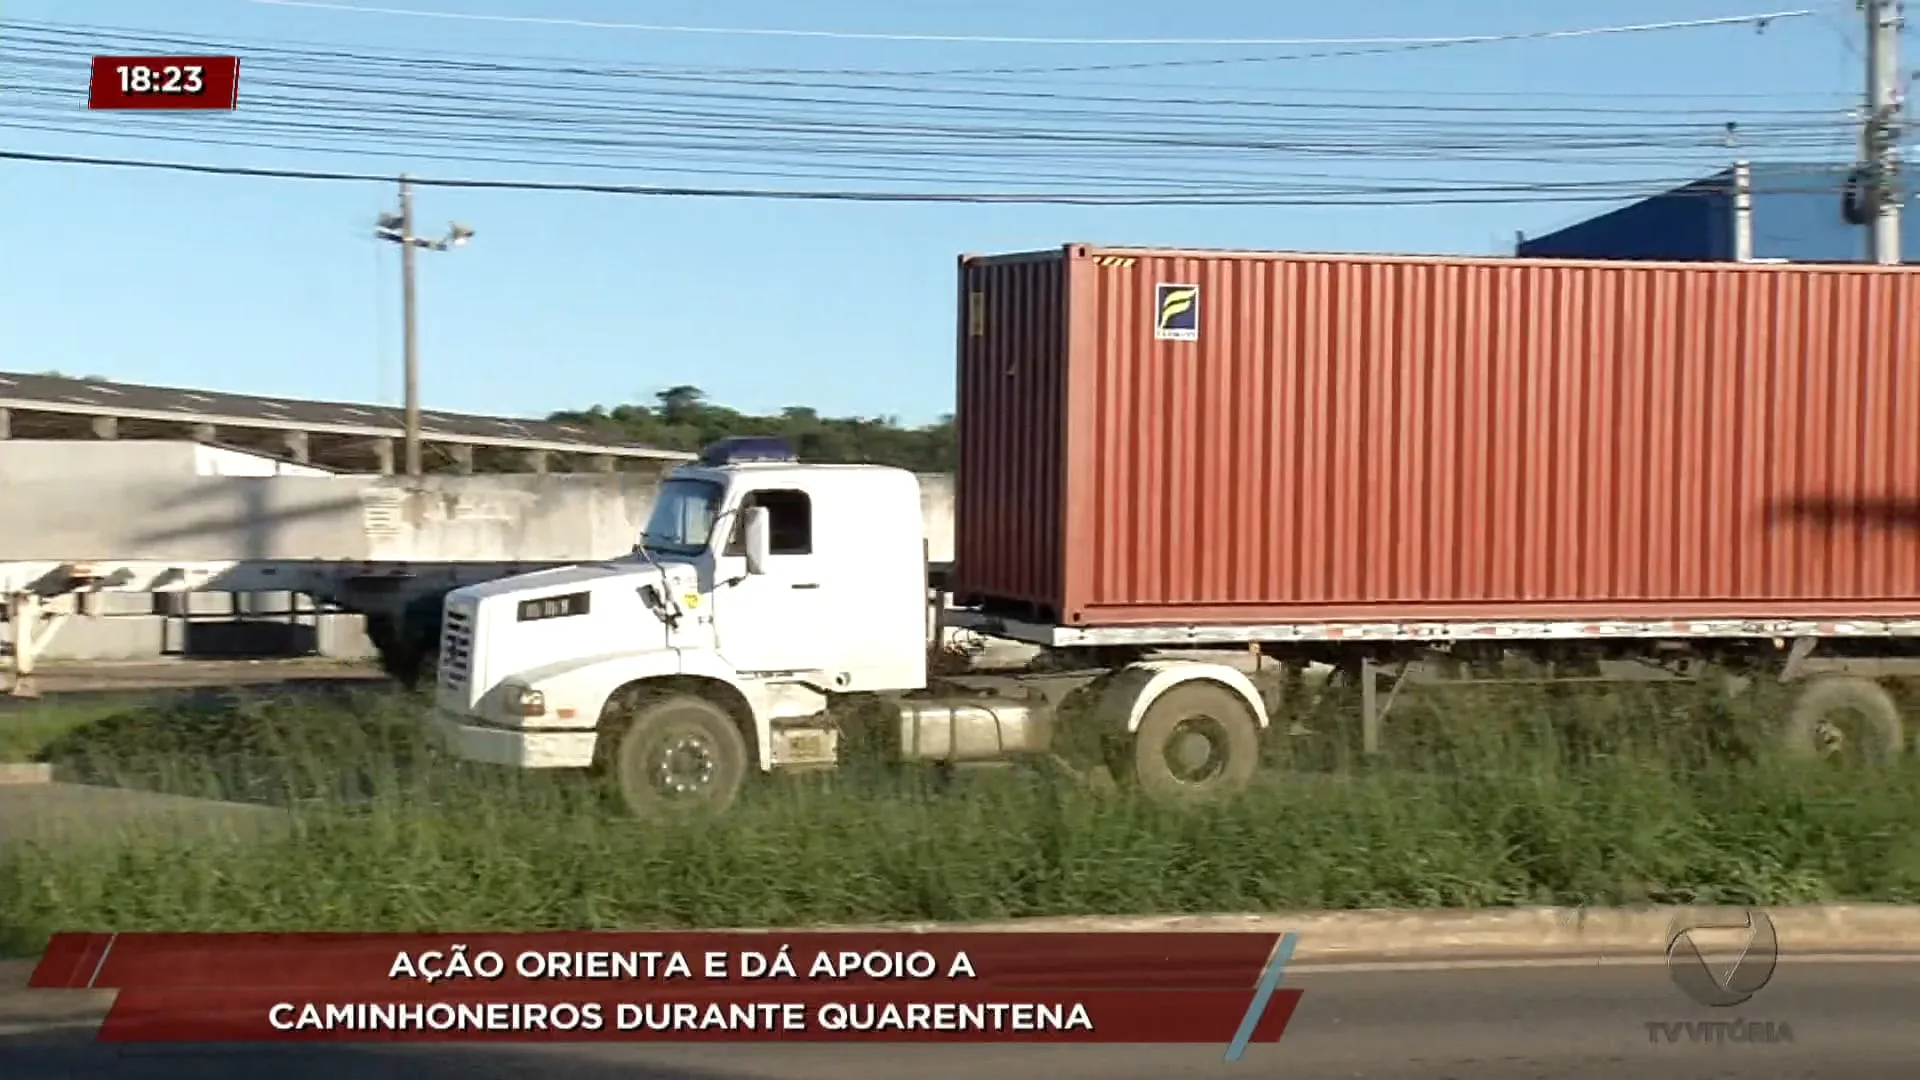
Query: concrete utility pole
<point x="1742" y="211"/>
<point x="1881" y="144"/>
<point x="1742" y="174"/>
<point x="398" y="229"/>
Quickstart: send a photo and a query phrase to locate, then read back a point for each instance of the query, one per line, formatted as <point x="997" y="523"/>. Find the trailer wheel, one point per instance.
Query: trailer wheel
<point x="677" y="755"/>
<point x="409" y="644"/>
<point x="403" y="661"/>
<point x="1845" y="718"/>
<point x="1198" y="742"/>
<point x="386" y="642"/>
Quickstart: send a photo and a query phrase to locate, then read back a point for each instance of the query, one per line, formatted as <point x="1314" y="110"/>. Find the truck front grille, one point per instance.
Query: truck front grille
<point x="456" y="649"/>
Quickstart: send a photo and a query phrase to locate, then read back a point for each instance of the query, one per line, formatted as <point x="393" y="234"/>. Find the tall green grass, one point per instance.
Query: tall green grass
<point x="1483" y="799"/>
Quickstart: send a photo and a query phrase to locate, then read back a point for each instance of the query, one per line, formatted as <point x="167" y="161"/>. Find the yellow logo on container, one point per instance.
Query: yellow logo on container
<point x="1176" y="312"/>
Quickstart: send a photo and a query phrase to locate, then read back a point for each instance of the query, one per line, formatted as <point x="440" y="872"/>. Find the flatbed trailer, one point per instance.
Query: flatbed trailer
<point x="400" y="600"/>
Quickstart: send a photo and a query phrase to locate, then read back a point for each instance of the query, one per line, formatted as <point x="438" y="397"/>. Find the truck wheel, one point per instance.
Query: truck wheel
<point x="1197" y="742"/>
<point x="409" y="644"/>
<point x="1845" y="718"/>
<point x="679" y="754"/>
<point x="395" y="658"/>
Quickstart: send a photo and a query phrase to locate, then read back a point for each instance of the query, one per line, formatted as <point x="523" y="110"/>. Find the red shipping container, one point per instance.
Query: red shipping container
<point x="1152" y="436"/>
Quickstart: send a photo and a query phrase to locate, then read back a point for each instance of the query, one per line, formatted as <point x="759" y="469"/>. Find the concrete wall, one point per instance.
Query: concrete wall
<point x="226" y="461"/>
<point x="155" y="512"/>
<point x="936" y="512"/>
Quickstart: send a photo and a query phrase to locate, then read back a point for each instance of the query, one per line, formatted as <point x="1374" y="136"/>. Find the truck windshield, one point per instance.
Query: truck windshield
<point x="682" y="519"/>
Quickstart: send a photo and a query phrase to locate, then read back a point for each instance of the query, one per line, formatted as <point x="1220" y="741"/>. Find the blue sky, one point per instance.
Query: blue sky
<point x="566" y="300"/>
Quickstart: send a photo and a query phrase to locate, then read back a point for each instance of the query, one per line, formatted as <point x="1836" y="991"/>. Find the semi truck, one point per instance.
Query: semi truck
<point x="1404" y="470"/>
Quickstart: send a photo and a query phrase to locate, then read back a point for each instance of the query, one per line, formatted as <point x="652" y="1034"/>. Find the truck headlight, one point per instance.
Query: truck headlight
<point x="523" y="700"/>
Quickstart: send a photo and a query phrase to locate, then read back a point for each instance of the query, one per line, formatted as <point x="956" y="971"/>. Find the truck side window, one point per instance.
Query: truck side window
<point x="789" y="523"/>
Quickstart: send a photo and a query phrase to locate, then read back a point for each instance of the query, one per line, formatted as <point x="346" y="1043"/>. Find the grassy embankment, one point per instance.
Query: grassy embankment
<point x="1492" y="798"/>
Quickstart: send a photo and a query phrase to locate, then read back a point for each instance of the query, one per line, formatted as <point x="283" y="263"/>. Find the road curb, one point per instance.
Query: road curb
<point x="1517" y="933"/>
<point x="1509" y="932"/>
<point x="1522" y="935"/>
<point x="25" y="772"/>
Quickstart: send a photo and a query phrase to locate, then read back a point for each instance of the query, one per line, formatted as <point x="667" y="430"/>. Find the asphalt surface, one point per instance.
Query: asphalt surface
<point x="1848" y="1020"/>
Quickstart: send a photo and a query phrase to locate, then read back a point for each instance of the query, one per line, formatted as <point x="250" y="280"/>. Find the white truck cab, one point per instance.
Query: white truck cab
<point x="762" y="588"/>
<point x="759" y="587"/>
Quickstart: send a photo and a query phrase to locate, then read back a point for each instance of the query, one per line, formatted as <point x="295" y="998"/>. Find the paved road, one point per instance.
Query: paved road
<point x="1582" y="1022"/>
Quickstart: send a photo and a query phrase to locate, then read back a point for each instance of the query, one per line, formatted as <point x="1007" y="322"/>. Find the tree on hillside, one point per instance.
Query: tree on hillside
<point x="681" y="418"/>
<point x="679" y="403"/>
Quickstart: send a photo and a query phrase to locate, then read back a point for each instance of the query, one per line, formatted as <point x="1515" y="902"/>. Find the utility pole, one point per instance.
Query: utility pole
<point x="398" y="228"/>
<point x="1742" y="175"/>
<point x="1881" y="144"/>
<point x="1742" y="211"/>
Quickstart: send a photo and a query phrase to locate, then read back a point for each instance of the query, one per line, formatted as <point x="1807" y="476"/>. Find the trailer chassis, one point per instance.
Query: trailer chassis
<point x="401" y="600"/>
<point x="1867" y="665"/>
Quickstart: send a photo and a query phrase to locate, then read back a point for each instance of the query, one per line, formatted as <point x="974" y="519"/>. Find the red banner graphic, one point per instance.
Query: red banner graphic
<point x="593" y="1014"/>
<point x="682" y="987"/>
<point x="997" y="960"/>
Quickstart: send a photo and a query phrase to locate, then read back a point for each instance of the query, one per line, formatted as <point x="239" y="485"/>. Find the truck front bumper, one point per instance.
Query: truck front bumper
<point x="516" y="747"/>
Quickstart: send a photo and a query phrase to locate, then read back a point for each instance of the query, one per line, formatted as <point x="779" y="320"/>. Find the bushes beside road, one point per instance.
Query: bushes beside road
<point x="1515" y="798"/>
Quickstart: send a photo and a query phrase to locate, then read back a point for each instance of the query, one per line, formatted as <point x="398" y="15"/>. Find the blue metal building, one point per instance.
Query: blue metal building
<point x="1796" y="216"/>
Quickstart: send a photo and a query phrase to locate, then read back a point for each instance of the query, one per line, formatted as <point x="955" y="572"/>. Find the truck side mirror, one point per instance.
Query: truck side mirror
<point x="759" y="537"/>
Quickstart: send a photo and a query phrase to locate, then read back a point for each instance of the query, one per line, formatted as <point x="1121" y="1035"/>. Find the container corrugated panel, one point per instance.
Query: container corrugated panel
<point x="1157" y="436"/>
<point x="1010" y="398"/>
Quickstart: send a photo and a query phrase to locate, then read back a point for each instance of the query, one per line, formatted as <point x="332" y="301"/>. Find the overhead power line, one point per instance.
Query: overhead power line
<point x="848" y="134"/>
<point x="979" y="74"/>
<point x="34" y="43"/>
<point x="37" y="42"/>
<point x="1387" y="196"/>
<point x="972" y="77"/>
<point x="392" y="88"/>
<point x="1751" y="18"/>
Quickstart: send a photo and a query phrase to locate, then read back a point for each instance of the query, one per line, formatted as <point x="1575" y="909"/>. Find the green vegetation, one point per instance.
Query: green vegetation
<point x="1487" y="799"/>
<point x="25" y="732"/>
<point x="684" y="420"/>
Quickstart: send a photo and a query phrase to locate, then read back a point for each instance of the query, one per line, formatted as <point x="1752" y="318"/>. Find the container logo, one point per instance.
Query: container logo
<point x="1176" y="312"/>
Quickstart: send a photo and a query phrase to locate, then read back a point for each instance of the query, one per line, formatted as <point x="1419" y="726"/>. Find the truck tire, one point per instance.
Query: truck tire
<point x="408" y="664"/>
<point x="677" y="755"/>
<point x="1209" y="729"/>
<point x="1845" y="716"/>
<point x="386" y="642"/>
<point x="409" y="645"/>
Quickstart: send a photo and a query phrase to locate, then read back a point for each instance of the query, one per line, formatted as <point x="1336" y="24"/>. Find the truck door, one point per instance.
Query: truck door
<point x="770" y="622"/>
